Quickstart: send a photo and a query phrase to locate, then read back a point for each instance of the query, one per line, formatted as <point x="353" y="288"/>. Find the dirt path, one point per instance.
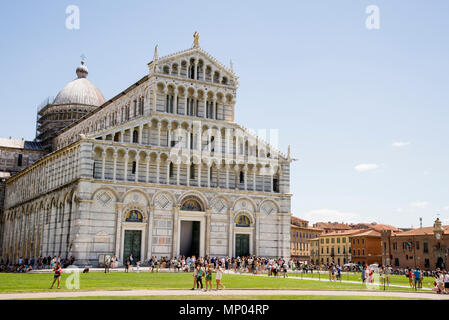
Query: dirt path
<point x="189" y="293"/>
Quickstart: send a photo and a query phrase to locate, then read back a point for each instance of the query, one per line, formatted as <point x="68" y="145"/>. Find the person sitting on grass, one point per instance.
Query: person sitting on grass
<point x="57" y="276"/>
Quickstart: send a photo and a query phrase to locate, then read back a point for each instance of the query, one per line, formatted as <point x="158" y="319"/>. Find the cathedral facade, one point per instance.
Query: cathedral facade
<point x="161" y="169"/>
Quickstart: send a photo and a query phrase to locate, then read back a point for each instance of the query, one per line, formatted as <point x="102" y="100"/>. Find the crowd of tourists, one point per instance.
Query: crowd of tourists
<point x="25" y="265"/>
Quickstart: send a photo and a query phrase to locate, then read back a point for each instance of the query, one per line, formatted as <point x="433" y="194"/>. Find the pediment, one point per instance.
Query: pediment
<point x="198" y="54"/>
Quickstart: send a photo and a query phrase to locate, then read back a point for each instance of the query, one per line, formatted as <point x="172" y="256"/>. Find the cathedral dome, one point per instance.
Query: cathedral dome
<point x="80" y="91"/>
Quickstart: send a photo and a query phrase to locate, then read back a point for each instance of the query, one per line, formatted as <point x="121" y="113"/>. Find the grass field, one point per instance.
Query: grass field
<point x="394" y="279"/>
<point x="237" y="297"/>
<point x="147" y="280"/>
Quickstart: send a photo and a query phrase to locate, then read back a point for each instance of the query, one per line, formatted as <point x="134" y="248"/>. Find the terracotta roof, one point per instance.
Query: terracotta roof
<point x="343" y="233"/>
<point x="375" y="226"/>
<point x="332" y="225"/>
<point x="420" y="232"/>
<point x="369" y="233"/>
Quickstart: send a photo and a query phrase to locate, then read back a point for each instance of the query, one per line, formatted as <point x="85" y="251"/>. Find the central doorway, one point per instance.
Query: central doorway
<point x="132" y="245"/>
<point x="242" y="245"/>
<point x="190" y="238"/>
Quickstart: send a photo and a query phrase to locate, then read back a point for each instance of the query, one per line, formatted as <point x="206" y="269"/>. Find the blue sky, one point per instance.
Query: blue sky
<point x="338" y="93"/>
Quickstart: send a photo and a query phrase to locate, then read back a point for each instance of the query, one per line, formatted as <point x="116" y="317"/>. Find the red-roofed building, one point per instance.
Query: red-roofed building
<point x="426" y="248"/>
<point x="366" y="247"/>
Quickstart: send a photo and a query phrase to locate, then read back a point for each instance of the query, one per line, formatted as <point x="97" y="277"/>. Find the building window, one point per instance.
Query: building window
<point x="242" y="177"/>
<point x="396" y="262"/>
<point x="171" y="170"/>
<point x="426" y="263"/>
<point x="134" y="167"/>
<point x="135" y="136"/>
<point x="426" y="247"/>
<point x="192" y="171"/>
<point x="275" y="185"/>
<point x="20" y="160"/>
<point x="417" y="245"/>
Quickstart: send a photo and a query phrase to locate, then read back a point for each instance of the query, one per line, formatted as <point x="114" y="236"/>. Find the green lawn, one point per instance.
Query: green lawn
<point x="237" y="297"/>
<point x="129" y="281"/>
<point x="394" y="279"/>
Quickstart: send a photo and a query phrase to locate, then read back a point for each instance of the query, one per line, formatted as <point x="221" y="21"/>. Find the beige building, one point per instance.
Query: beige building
<point x="333" y="247"/>
<point x="300" y="237"/>
<point x="161" y="169"/>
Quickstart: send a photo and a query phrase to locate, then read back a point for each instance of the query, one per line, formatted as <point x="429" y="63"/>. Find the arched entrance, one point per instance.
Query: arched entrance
<point x="243" y="236"/>
<point x="133" y="235"/>
<point x="191" y="227"/>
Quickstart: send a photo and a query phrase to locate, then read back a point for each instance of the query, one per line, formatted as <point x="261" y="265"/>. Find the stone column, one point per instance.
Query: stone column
<point x="245" y="177"/>
<point x="150" y="232"/>
<point x="159" y="126"/>
<point x="125" y="174"/>
<point x="175" y="231"/>
<point x="140" y="134"/>
<point x="118" y="231"/>
<point x="227" y="175"/>
<point x="147" y="178"/>
<point x="231" y="233"/>
<point x="178" y="169"/>
<point x="199" y="174"/>
<point x="209" y="167"/>
<point x="208" y="228"/>
<point x="254" y="178"/>
<point x="257" y="235"/>
<point x="188" y="174"/>
<point x="168" y="172"/>
<point x="175" y="102"/>
<point x="103" y="165"/>
<point x="158" y="164"/>
<point x="115" y="166"/>
<point x="136" y="176"/>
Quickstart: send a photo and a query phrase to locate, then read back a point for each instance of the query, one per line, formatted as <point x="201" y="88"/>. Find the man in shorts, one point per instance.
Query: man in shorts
<point x="417" y="274"/>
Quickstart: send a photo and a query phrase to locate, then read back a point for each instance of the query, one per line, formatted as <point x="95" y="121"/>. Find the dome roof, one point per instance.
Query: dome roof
<point x="80" y="91"/>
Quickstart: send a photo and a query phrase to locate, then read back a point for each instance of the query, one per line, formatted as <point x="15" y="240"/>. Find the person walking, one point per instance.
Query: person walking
<point x="57" y="275"/>
<point x="446" y="282"/>
<point x="209" y="272"/>
<point x="201" y="274"/>
<point x="107" y="265"/>
<point x="363" y="274"/>
<point x="410" y="277"/>
<point x="219" y="278"/>
<point x="127" y="263"/>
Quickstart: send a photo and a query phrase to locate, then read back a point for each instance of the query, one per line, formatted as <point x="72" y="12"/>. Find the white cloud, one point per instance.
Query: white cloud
<point x="325" y="215"/>
<point x="399" y="210"/>
<point x="400" y="144"/>
<point x="419" y="204"/>
<point x="366" y="167"/>
<point x="446" y="208"/>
